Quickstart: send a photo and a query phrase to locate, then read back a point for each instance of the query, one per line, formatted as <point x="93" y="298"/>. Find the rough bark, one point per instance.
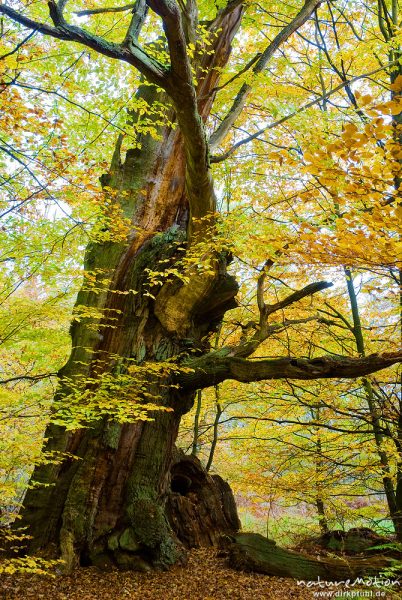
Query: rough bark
<point x="201" y="507"/>
<point x="108" y="505"/>
<point x="113" y="505"/>
<point x="253" y="552"/>
<point x="215" y="367"/>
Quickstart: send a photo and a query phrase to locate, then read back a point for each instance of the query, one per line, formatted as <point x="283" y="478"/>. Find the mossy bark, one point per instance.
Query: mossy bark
<point x="107" y="505"/>
<point x="118" y="487"/>
<point x="253" y="552"/>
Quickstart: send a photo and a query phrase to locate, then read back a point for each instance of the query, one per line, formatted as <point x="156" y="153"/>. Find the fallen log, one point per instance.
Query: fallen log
<point x="253" y="552"/>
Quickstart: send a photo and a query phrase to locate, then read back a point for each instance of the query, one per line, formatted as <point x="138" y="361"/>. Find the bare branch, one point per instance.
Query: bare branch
<point x="308" y="290"/>
<point x="337" y="314"/>
<point x="302" y="16"/>
<point x="249" y="344"/>
<point x="135" y="55"/>
<point x="98" y="11"/>
<point x="18" y="46"/>
<point x="31" y="24"/>
<point x="310" y="423"/>
<point x="250" y="138"/>
<point x="27" y="378"/>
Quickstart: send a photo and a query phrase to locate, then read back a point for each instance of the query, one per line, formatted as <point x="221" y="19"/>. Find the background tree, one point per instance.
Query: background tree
<point x="360" y="179"/>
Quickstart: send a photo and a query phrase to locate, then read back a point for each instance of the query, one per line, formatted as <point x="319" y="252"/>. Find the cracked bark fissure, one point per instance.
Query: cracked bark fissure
<point x="109" y="507"/>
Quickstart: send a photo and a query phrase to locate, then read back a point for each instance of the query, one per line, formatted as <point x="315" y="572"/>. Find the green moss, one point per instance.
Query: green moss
<point x="169" y="553"/>
<point x="68" y="554"/>
<point x="148" y="522"/>
<point x="78" y="512"/>
<point x="111" y="435"/>
<point x="113" y="542"/>
<point x="149" y="525"/>
<point x="131" y="562"/>
<point x="127" y="541"/>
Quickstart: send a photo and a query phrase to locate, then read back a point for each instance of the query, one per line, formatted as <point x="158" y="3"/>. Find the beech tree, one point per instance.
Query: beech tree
<point x="162" y="290"/>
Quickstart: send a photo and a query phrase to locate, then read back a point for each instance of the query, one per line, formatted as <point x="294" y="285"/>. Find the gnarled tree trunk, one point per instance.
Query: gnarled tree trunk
<point x="109" y="506"/>
<point x="114" y="504"/>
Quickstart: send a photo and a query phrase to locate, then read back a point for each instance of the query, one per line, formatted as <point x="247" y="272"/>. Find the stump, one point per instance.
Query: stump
<point x="354" y="541"/>
<point x="200" y="507"/>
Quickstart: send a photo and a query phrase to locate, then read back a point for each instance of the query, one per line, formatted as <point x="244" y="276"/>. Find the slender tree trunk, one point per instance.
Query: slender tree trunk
<point x="108" y="506"/>
<point x="388" y="30"/>
<point x="215" y="434"/>
<point x="398" y="443"/>
<point x="375" y="417"/>
<point x="196" y="430"/>
<point x="319" y="470"/>
<point x="322" y="519"/>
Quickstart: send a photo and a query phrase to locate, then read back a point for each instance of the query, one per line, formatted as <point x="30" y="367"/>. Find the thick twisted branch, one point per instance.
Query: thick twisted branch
<point x="180" y="87"/>
<point x="216" y="367"/>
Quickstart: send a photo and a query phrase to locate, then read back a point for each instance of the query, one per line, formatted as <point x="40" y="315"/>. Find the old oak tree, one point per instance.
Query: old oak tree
<point x="118" y="495"/>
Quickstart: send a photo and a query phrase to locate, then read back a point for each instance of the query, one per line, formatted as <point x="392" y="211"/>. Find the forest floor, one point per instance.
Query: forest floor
<point x="205" y="577"/>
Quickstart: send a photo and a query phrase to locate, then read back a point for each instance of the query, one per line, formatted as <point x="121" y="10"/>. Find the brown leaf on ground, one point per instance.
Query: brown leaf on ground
<point x="206" y="577"/>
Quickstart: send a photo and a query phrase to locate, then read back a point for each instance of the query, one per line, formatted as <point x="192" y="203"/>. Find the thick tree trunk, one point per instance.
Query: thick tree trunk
<point x="113" y="504"/>
<point x="109" y="505"/>
<point x="120" y="483"/>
